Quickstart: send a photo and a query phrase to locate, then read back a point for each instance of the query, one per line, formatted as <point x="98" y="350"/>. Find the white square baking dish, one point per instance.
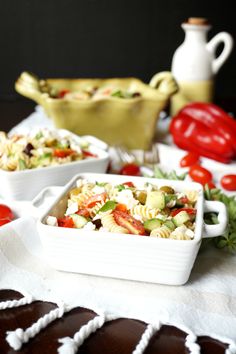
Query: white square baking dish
<point x="25" y="184"/>
<point x="147" y="259"/>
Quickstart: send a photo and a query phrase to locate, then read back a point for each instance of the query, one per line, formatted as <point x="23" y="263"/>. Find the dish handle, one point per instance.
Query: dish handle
<point x="40" y="203"/>
<point x="164" y="83"/>
<point x="217" y="229"/>
<point x="28" y="85"/>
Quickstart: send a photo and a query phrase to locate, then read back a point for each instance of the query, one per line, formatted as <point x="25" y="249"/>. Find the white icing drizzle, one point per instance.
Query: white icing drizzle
<point x="71" y="345"/>
<point x="146" y="337"/>
<point x="19" y="336"/>
<point x="231" y="348"/>
<point x="190" y="343"/>
<point x="16" y="303"/>
<point x="190" y="340"/>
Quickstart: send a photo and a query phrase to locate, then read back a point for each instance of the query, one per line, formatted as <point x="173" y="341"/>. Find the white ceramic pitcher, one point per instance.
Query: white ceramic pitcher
<point x="194" y="64"/>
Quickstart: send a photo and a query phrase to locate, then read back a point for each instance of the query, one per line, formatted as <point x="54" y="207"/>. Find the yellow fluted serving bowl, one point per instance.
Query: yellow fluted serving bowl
<point x="127" y="121"/>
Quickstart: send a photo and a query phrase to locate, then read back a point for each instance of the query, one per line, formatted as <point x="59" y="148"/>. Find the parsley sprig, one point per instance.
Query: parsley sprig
<point x="158" y="173"/>
<point x="228" y="239"/>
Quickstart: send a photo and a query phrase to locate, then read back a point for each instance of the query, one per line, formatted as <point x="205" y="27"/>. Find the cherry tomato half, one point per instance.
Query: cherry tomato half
<point x="200" y="174"/>
<point x="130" y="169"/>
<point x="189" y="159"/>
<point x="228" y="182"/>
<point x="6" y="212"/>
<point x="4" y="221"/>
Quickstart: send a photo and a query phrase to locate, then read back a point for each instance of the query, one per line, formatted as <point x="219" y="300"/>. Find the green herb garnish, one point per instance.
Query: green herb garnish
<point x="158" y="173"/>
<point x="228" y="239"/>
<point x="120" y="187"/>
<point x="109" y="205"/>
<point x="39" y="135"/>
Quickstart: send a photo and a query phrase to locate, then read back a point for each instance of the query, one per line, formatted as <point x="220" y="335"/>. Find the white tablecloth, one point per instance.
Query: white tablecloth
<point x="206" y="305"/>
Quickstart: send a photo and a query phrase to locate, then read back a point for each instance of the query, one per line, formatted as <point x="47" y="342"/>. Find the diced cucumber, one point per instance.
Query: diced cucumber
<point x="170" y="225"/>
<point x="109" y="205"/>
<point x="156" y="199"/>
<point x="181" y="218"/>
<point x="79" y="220"/>
<point x="152" y="224"/>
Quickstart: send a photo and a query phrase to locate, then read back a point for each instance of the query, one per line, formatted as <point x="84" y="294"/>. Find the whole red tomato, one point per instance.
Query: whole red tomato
<point x="200" y="174"/>
<point x="130" y="169"/>
<point x="6" y="212"/>
<point x="189" y="159"/>
<point x="4" y="221"/>
<point x="228" y="182"/>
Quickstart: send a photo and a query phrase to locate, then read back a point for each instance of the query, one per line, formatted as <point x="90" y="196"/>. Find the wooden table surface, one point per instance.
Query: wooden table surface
<point x="117" y="337"/>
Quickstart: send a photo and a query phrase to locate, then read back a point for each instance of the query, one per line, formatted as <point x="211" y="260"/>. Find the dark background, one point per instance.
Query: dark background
<point x="102" y="38"/>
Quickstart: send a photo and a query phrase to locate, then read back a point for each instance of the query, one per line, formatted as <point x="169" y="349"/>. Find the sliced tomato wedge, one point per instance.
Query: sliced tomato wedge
<point x="129" y="184"/>
<point x="66" y="221"/>
<point x="121" y="207"/>
<point x="92" y="201"/>
<point x="83" y="212"/>
<point x="129" y="222"/>
<point x="190" y="211"/>
<point x="63" y="152"/>
<point x="88" y="154"/>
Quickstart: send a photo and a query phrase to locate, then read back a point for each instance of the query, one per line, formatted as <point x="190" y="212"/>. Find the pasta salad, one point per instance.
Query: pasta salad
<point x="129" y="209"/>
<point x="41" y="148"/>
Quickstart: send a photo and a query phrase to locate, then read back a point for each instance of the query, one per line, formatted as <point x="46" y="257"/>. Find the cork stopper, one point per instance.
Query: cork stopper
<point x="200" y="21"/>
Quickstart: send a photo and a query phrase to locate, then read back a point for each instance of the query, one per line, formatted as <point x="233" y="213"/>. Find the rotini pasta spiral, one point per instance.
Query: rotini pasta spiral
<point x="162" y="232"/>
<point x="81" y="197"/>
<point x="180" y="236"/>
<point x="93" y="211"/>
<point x="144" y="212"/>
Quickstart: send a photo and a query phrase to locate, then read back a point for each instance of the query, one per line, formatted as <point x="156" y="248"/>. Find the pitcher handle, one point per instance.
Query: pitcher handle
<point x="227" y="40"/>
<point x="165" y="83"/>
<point x="28" y="85"/>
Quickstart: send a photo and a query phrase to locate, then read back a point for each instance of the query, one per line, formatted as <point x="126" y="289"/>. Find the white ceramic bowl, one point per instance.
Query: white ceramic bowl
<point x="24" y="185"/>
<point x="148" y="259"/>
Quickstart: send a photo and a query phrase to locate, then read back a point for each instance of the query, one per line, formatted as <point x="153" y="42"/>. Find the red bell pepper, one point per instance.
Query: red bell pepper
<point x="203" y="129"/>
